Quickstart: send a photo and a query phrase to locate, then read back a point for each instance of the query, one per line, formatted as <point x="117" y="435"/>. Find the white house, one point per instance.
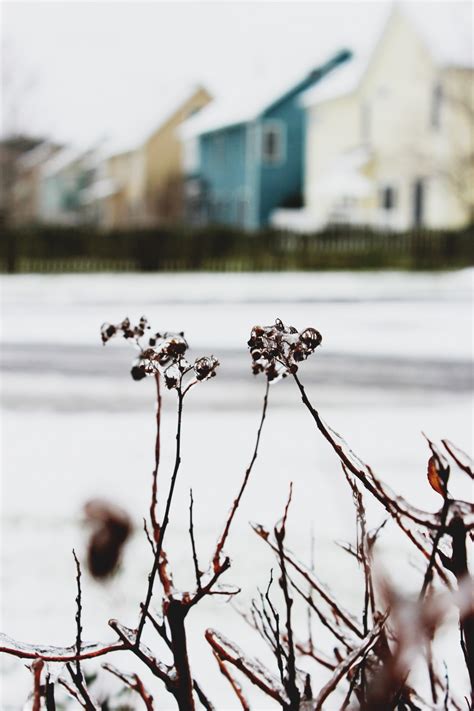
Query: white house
<point x="390" y="133"/>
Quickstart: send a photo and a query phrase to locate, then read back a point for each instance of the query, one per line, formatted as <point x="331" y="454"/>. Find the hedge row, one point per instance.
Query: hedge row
<point x="79" y="249"/>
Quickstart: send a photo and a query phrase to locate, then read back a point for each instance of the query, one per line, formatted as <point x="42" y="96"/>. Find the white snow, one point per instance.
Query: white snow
<point x="70" y="434"/>
<point x="443" y="27"/>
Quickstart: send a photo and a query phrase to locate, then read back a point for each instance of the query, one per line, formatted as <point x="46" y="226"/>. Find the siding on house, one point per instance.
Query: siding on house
<point x="223" y="174"/>
<point x="236" y="179"/>
<point x="282" y="183"/>
<point x="411" y="114"/>
<point x="163" y="161"/>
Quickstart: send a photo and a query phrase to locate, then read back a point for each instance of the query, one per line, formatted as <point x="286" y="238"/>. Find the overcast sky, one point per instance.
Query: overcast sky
<point x="82" y="71"/>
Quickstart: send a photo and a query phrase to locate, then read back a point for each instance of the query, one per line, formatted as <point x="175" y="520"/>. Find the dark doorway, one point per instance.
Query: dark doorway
<point x="418" y="202"/>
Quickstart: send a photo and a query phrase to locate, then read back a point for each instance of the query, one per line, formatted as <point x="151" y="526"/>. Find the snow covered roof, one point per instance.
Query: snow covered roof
<point x="243" y="103"/>
<point x="442" y="27"/>
<point x="66" y="157"/>
<point x="344" y="79"/>
<point x="37" y="155"/>
<point x="232" y="109"/>
<point x="161" y="106"/>
<point x="445" y="28"/>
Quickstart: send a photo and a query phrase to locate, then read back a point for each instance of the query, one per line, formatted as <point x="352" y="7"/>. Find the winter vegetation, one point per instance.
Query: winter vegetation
<point x="367" y="655"/>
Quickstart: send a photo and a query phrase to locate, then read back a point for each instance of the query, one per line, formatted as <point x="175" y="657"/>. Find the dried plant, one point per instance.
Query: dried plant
<point x="368" y="661"/>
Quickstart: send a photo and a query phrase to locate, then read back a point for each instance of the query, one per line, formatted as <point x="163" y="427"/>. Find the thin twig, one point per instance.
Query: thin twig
<point x="37" y="668"/>
<point x="290" y="680"/>
<point x="237" y="689"/>
<point x="78" y="615"/>
<point x="202" y="697"/>
<point x="164" y="525"/>
<point x="347" y="663"/>
<point x="148" y="536"/>
<point x="439" y="534"/>
<point x="89" y="705"/>
<point x="72" y="692"/>
<point x="56" y="654"/>
<point x="49" y="695"/>
<point x="154" y="489"/>
<point x="133" y="682"/>
<point x="365" y="475"/>
<point x="223" y="538"/>
<point x="311" y="579"/>
<point x="253" y="670"/>
<point x="197" y="572"/>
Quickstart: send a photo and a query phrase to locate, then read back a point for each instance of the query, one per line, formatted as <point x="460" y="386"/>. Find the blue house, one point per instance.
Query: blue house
<point x="244" y="158"/>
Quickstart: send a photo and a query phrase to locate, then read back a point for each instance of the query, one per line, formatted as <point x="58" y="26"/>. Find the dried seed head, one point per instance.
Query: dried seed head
<point x="280" y="348"/>
<point x="164" y="353"/>
<point x="111" y="528"/>
<point x="205" y="367"/>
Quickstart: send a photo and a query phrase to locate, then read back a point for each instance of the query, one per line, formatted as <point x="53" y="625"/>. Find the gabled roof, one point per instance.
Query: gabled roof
<point x="343" y="80"/>
<point x="240" y="106"/>
<point x="42" y="152"/>
<point x="161" y="107"/>
<point x="65" y="158"/>
<point x="442" y="27"/>
<point x="446" y="30"/>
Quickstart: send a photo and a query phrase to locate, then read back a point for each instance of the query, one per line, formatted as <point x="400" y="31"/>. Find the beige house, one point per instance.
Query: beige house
<point x="163" y="162"/>
<point x="117" y="195"/>
<point x="390" y="132"/>
<point x="142" y="186"/>
<point x="26" y="196"/>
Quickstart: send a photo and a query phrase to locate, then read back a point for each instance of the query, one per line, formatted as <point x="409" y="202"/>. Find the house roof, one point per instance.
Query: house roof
<point x="343" y="80"/>
<point x="37" y="155"/>
<point x="161" y="107"/>
<point x="442" y="27"/>
<point x="241" y="105"/>
<point x="64" y="158"/>
<point x="445" y="27"/>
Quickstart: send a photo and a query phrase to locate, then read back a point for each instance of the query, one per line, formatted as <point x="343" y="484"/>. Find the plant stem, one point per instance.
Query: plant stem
<point x="164" y="525"/>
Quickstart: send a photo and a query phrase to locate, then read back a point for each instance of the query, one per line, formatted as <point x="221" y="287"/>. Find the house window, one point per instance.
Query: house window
<point x="436" y="105"/>
<point x="388" y="198"/>
<point x="272" y="143"/>
<point x="419" y="195"/>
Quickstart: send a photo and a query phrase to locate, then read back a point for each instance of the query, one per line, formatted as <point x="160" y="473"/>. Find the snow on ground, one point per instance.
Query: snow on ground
<point x="74" y="425"/>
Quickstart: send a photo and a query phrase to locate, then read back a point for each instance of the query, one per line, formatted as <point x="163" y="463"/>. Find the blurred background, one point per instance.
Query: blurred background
<point x="213" y="166"/>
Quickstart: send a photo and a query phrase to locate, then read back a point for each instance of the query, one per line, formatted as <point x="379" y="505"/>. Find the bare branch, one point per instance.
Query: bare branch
<point x="315" y="584"/>
<point x="197" y="572"/>
<point x="342" y="669"/>
<point x="237" y="689"/>
<point x="37" y="668"/>
<point x="90" y="650"/>
<point x="253" y="670"/>
<point x="154" y="490"/>
<point x="133" y="682"/>
<point x="164" y="525"/>
<point x="223" y="538"/>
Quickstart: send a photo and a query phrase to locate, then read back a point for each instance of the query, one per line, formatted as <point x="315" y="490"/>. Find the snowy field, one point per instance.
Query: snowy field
<point x="396" y="360"/>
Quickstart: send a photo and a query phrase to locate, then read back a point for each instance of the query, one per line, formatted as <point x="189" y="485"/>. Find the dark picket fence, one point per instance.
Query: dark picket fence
<point x="55" y="249"/>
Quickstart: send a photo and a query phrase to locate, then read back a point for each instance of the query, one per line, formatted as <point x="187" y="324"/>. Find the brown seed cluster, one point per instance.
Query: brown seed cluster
<point x="163" y="353"/>
<point x="108" y="330"/>
<point x="278" y="349"/>
<point x="111" y="528"/>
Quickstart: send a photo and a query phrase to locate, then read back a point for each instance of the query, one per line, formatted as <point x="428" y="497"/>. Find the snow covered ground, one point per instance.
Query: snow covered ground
<point x="396" y="359"/>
